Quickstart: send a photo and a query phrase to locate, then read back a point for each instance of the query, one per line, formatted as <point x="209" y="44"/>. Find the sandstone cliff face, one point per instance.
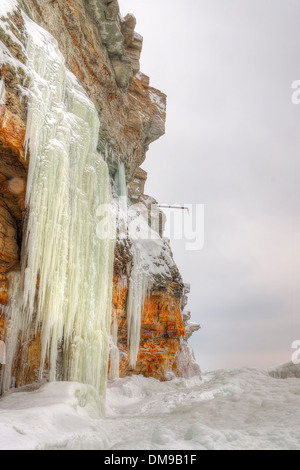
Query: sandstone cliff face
<point x="102" y="49"/>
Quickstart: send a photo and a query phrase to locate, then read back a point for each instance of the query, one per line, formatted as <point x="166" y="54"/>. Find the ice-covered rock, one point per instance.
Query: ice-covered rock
<point x="285" y="371"/>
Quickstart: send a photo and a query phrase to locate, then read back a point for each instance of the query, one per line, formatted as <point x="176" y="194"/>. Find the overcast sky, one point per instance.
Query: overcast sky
<point x="233" y="144"/>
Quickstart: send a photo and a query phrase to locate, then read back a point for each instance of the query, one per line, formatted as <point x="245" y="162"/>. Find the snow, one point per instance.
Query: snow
<point x="57" y="416"/>
<point x="8" y="6"/>
<point x="138" y="36"/>
<point x="226" y="409"/>
<point x="7" y="58"/>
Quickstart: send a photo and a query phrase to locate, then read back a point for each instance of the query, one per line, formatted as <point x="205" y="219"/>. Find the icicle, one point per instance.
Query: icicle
<point x="2" y="96"/>
<point x="13" y="328"/>
<point x="121" y="180"/>
<point x="122" y="284"/>
<point x="2" y="353"/>
<point x="2" y="92"/>
<point x="139" y="283"/>
<point x="67" y="181"/>
<point x="139" y="287"/>
<point x="114" y="351"/>
<point x="122" y="189"/>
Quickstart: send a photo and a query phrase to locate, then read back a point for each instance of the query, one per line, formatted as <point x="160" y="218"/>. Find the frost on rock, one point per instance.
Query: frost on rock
<point x="63" y="251"/>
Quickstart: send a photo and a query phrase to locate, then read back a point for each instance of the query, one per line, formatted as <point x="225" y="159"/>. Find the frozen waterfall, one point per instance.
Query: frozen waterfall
<point x="67" y="269"/>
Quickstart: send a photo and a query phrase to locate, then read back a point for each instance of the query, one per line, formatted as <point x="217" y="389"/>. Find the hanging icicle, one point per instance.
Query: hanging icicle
<point x="114" y="350"/>
<point x="2" y="92"/>
<point x="13" y="327"/>
<point x="139" y="283"/>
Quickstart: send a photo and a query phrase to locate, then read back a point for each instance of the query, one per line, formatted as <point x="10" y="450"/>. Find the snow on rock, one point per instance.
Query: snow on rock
<point x="8" y="6"/>
<point x="157" y="100"/>
<point x="7" y="58"/>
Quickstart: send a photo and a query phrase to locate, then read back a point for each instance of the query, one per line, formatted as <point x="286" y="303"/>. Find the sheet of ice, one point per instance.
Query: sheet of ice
<point x="238" y="409"/>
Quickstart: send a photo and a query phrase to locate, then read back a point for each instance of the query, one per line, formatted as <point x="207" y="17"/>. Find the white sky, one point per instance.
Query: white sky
<point x="233" y="144"/>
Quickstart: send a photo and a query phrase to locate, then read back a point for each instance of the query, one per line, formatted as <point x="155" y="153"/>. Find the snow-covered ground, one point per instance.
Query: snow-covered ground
<point x="238" y="409"/>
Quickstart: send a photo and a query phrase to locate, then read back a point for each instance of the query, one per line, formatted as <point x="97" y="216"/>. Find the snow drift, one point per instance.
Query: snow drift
<point x="238" y="409"/>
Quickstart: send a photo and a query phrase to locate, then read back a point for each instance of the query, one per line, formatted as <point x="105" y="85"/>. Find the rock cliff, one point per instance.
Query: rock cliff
<point x="102" y="49"/>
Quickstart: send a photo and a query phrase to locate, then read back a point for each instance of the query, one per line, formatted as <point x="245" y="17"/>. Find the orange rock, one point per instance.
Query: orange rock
<point x="28" y="363"/>
<point x="161" y="330"/>
<point x="12" y="134"/>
